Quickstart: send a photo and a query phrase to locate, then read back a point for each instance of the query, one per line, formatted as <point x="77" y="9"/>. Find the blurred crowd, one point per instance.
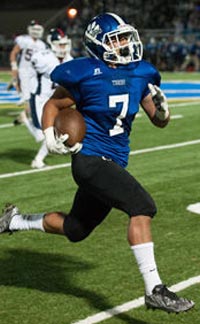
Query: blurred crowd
<point x="174" y="53"/>
<point x="170" y="31"/>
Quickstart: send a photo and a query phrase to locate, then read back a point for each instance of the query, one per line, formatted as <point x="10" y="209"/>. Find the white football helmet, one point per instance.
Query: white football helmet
<point x="59" y="42"/>
<point x="109" y="38"/>
<point x="35" y="30"/>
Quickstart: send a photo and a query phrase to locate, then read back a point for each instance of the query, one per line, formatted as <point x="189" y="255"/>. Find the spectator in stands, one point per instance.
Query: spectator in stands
<point x="193" y="57"/>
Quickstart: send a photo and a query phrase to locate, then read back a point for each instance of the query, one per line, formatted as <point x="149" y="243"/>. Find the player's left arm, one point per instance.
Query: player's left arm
<point x="156" y="106"/>
<point x="14" y="66"/>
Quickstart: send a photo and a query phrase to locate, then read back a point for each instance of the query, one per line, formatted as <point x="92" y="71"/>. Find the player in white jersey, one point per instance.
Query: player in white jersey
<point x="42" y="87"/>
<point x="20" y="57"/>
<point x="20" y="61"/>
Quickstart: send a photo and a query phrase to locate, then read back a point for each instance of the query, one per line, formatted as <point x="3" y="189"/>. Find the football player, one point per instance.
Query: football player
<point x="20" y="61"/>
<point x="107" y="88"/>
<point x="20" y="57"/>
<point x="43" y="62"/>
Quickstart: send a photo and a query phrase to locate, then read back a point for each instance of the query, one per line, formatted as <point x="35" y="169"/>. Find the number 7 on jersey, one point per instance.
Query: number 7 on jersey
<point x="113" y="100"/>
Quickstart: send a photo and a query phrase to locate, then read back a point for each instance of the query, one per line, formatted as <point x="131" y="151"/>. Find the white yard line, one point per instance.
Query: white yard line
<point x="176" y="116"/>
<point x="184" y="104"/>
<point x="6" y="125"/>
<point x="139" y="115"/>
<point x="48" y="168"/>
<point x="182" y="81"/>
<point x="102" y="316"/>
<point x="182" y="91"/>
<point x="136" y="152"/>
<point x="164" y="147"/>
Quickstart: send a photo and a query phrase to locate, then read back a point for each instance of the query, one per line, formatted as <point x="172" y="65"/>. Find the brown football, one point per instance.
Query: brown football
<point x="70" y="121"/>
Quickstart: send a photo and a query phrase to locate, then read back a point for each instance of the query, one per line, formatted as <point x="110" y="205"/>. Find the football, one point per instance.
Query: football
<point x="70" y="121"/>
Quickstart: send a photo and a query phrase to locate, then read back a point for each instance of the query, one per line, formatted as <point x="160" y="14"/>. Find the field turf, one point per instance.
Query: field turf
<point x="46" y="279"/>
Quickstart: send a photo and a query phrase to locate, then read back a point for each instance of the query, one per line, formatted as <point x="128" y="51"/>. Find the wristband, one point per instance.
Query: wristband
<point x="14" y="82"/>
<point x="13" y="65"/>
<point x="49" y="132"/>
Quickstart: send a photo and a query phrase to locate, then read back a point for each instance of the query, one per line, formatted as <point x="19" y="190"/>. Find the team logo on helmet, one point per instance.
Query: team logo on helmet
<point x="94" y="29"/>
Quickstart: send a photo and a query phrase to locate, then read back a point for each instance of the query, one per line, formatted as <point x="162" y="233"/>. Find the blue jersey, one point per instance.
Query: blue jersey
<point x="109" y="99"/>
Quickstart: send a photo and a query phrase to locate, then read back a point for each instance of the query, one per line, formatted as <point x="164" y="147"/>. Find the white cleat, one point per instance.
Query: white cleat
<point x="38" y="164"/>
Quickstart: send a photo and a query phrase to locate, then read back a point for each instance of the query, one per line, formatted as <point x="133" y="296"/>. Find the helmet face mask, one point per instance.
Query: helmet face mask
<point x="120" y="51"/>
<point x="35" y="30"/>
<point x="59" y="42"/>
<point x="110" y="39"/>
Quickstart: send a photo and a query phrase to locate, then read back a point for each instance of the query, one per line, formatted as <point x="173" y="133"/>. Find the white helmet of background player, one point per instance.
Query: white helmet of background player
<point x="59" y="42"/>
<point x="35" y="30"/>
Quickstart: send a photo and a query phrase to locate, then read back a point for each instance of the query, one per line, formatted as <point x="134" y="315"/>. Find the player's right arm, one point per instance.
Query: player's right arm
<point x="61" y="99"/>
<point x="67" y="75"/>
<point x="13" y="63"/>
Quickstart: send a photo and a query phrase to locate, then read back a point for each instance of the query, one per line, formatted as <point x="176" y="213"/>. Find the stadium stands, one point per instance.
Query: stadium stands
<point x="169" y="31"/>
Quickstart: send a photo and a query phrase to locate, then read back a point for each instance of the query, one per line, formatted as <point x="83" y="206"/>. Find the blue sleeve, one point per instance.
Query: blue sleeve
<point x="70" y="74"/>
<point x="153" y="77"/>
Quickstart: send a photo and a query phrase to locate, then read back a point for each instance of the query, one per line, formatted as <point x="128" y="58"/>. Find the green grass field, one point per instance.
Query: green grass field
<point x="46" y="279"/>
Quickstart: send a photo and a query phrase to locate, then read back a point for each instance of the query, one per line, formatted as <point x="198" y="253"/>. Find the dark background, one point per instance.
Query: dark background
<point x="168" y="29"/>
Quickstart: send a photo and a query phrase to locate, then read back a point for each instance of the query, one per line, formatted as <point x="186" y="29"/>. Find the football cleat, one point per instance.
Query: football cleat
<point x="8" y="213"/>
<point x="38" y="164"/>
<point x="168" y="301"/>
